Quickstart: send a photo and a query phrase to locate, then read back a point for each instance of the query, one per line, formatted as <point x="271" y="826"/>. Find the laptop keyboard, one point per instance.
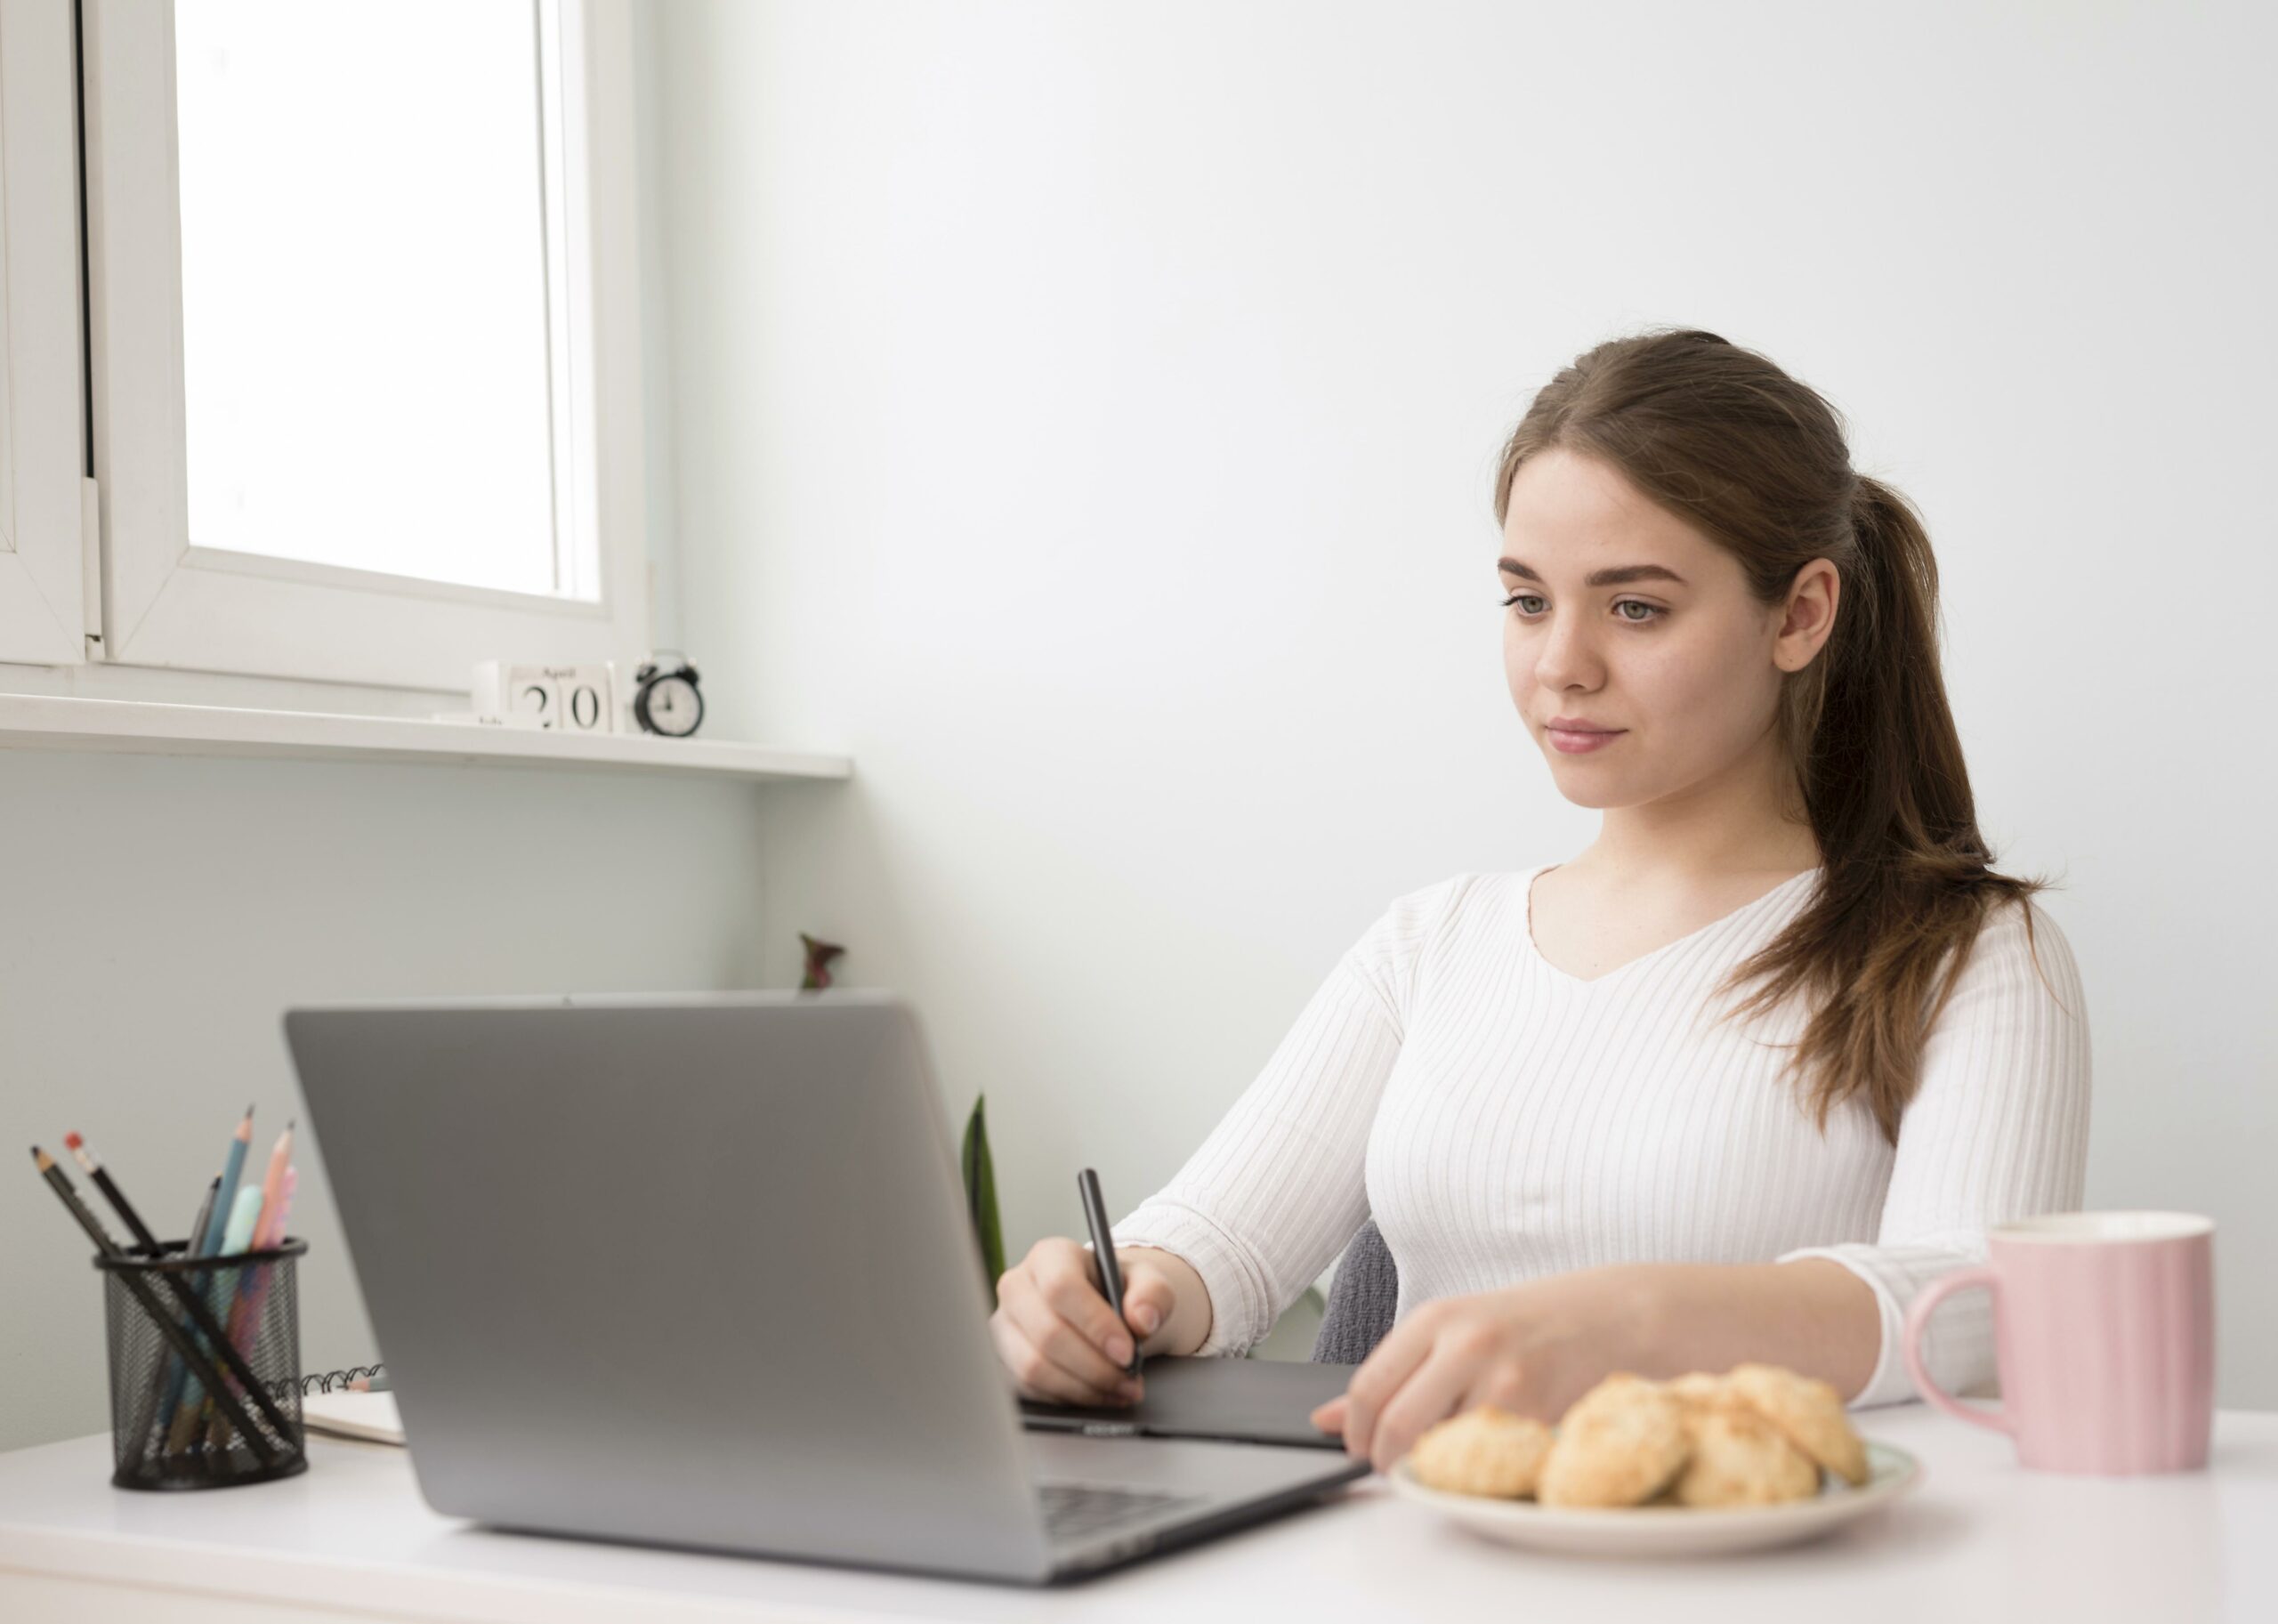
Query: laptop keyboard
<point x="1077" y="1511"/>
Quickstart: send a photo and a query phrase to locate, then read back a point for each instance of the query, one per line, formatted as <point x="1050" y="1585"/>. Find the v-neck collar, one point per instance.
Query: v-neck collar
<point x="1526" y="927"/>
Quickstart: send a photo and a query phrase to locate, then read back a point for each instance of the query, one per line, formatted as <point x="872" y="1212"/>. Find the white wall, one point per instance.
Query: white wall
<point x="159" y="916"/>
<point x="1083" y="414"/>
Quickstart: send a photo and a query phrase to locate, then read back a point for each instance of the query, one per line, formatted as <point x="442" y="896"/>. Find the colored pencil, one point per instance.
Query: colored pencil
<point x="163" y="1368"/>
<point x="244" y="1314"/>
<point x="272" y="1187"/>
<point x="204" y="1243"/>
<point x="213" y="1301"/>
<point x="264" y="1221"/>
<point x="231" y="1170"/>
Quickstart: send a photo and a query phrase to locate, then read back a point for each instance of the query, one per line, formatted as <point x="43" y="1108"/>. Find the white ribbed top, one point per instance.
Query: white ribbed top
<point x="1503" y="1120"/>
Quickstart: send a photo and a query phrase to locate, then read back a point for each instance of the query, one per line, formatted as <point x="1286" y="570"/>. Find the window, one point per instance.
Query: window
<point x="418" y="247"/>
<point x="42" y="561"/>
<point x="364" y="336"/>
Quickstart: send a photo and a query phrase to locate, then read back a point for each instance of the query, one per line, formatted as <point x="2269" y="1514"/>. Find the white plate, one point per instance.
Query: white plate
<point x="1670" y="1531"/>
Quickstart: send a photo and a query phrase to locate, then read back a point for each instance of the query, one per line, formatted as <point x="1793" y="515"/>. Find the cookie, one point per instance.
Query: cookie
<point x="1740" y="1458"/>
<point x="1699" y="1388"/>
<point x="1809" y="1411"/>
<point x="1618" y="1444"/>
<point x="1484" y="1450"/>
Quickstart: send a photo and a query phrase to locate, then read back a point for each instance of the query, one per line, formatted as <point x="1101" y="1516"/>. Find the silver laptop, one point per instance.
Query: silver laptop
<point x="697" y="1271"/>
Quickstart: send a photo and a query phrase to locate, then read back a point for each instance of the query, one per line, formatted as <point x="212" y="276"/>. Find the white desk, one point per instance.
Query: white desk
<point x="1980" y="1539"/>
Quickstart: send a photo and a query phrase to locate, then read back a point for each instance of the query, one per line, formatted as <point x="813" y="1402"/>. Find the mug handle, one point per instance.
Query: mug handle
<point x="1917" y="1321"/>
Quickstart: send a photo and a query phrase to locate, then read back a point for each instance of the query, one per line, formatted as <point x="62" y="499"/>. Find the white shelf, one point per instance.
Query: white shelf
<point x="44" y="722"/>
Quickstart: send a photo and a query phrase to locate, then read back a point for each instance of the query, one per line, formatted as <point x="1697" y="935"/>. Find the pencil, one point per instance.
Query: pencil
<point x="214" y="1291"/>
<point x="272" y="1188"/>
<point x="161" y="1371"/>
<point x="210" y="1242"/>
<point x="203" y="1242"/>
<point x="112" y="1193"/>
<point x="244" y="1313"/>
<point x="205" y="1208"/>
<point x="267" y="1226"/>
<point x="183" y="1343"/>
<point x="271" y="1235"/>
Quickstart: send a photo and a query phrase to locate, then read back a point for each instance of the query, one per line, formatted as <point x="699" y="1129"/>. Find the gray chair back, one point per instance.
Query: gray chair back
<point x="1362" y="1297"/>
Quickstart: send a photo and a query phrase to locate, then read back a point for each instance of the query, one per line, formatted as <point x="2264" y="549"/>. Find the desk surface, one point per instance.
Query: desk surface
<point x="1981" y="1538"/>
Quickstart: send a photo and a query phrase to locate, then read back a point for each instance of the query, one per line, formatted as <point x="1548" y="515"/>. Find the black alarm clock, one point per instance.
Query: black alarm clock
<point x="664" y="697"/>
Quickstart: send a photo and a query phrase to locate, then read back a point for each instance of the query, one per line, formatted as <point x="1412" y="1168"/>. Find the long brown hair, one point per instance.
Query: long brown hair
<point x="1724" y="438"/>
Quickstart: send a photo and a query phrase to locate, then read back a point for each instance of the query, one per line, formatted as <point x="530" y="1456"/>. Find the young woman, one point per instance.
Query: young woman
<point x="1734" y="1083"/>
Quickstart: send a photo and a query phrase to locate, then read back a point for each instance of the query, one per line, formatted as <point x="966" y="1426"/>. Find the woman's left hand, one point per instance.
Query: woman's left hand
<point x="1532" y="1349"/>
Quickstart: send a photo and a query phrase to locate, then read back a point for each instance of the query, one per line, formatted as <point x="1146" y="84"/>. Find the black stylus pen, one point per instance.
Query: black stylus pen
<point x="1087" y="1186"/>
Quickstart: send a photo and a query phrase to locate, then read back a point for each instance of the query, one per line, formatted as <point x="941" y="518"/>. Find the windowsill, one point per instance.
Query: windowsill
<point x="46" y="721"/>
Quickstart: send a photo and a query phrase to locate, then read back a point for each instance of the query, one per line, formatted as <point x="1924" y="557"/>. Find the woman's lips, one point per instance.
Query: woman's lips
<point x="1574" y="743"/>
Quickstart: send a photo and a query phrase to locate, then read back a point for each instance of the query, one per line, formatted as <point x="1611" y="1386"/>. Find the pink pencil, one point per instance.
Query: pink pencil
<point x="284" y="1207"/>
<point x="244" y="1324"/>
<point x="244" y="1313"/>
<point x="270" y="1224"/>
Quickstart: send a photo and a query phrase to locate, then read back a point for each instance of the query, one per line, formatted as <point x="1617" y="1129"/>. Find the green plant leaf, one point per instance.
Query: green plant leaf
<point x="981" y="1192"/>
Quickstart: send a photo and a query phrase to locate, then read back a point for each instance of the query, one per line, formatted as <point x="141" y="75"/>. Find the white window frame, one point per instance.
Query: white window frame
<point x="43" y="567"/>
<point x="167" y="603"/>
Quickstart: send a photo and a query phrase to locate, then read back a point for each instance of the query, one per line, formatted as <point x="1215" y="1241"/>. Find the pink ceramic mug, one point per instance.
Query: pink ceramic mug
<point x="2103" y="1330"/>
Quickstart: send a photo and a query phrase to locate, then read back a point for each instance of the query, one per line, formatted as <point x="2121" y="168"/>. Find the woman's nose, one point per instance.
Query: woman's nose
<point x="1564" y="656"/>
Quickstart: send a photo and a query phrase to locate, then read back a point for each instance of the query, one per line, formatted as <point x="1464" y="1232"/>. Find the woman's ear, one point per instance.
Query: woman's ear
<point x="1808" y="617"/>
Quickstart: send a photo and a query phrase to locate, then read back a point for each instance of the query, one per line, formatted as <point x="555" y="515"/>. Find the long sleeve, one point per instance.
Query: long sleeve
<point x="1277" y="1188"/>
<point x="1998" y="1129"/>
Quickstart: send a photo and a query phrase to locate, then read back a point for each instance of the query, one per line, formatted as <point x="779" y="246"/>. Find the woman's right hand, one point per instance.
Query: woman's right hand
<point x="1056" y="1334"/>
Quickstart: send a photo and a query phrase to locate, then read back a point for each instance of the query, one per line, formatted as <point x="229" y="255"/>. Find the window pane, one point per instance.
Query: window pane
<point x="364" y="286"/>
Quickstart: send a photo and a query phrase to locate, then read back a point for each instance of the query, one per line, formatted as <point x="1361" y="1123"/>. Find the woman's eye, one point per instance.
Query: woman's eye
<point x="1654" y="612"/>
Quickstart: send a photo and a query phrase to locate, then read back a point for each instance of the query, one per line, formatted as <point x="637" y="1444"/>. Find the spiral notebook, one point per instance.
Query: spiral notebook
<point x="330" y="1403"/>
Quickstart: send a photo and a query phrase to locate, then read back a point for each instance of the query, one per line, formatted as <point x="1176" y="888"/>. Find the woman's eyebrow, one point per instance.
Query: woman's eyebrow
<point x="1621" y="577"/>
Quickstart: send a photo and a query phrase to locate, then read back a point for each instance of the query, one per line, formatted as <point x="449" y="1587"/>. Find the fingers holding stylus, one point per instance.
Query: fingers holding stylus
<point x="1039" y="1377"/>
<point x="1057" y="1334"/>
<point x="1149" y="1299"/>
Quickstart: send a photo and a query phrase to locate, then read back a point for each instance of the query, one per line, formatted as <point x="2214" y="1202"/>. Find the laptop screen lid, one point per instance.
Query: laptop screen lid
<point x="688" y="1269"/>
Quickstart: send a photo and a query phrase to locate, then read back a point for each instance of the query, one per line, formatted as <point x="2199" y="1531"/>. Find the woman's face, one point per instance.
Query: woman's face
<point x="1627" y="619"/>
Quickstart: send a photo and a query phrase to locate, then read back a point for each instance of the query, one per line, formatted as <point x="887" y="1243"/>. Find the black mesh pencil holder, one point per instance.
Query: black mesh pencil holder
<point x="205" y="1367"/>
